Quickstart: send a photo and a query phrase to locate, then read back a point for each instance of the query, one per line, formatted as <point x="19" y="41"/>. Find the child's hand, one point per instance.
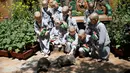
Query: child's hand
<point x="69" y="13"/>
<point x="46" y="33"/>
<point x="53" y="15"/>
<point x="85" y="45"/>
<point x="64" y="22"/>
<point x="74" y="43"/>
<point x="64" y="44"/>
<point x="70" y="53"/>
<point x="41" y="29"/>
<point x="41" y="33"/>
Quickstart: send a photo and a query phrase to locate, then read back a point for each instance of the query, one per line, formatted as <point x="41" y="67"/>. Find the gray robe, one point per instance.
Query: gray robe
<point x="83" y="50"/>
<point x="70" y="21"/>
<point x="43" y="40"/>
<point x="46" y="19"/>
<point x="103" y="40"/>
<point x="57" y="13"/>
<point x="56" y="35"/>
<point x="87" y="19"/>
<point x="70" y="46"/>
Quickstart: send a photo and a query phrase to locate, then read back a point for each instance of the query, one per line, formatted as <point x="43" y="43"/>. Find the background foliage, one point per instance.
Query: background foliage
<point x="19" y="30"/>
<point x="121" y="16"/>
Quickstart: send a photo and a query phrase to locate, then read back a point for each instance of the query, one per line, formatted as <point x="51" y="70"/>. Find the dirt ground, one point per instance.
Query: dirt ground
<point x="82" y="65"/>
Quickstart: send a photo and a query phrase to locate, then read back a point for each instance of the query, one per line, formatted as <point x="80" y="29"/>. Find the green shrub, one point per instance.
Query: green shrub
<point x="15" y="34"/>
<point x="22" y="10"/>
<point x="19" y="30"/>
<point x="121" y="16"/>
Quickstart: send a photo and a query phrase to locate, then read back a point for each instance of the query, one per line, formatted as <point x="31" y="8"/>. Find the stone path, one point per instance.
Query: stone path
<point x="83" y="65"/>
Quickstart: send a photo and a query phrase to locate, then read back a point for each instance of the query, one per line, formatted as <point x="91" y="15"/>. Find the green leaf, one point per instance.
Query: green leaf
<point x="8" y="41"/>
<point x="17" y="50"/>
<point x="19" y="45"/>
<point x="19" y="30"/>
<point x="23" y="43"/>
<point x="10" y="48"/>
<point x="117" y="46"/>
<point x="6" y="46"/>
<point x="22" y="34"/>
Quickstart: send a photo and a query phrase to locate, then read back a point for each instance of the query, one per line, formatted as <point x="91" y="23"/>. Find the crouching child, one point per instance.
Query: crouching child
<point x="56" y="35"/>
<point x="70" y="40"/>
<point x="83" y="43"/>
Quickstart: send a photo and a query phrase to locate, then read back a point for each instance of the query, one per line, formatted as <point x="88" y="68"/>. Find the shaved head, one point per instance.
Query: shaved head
<point x="57" y="22"/>
<point x="91" y="4"/>
<point x="44" y="3"/>
<point x="37" y="14"/>
<point x="65" y="9"/>
<point x="51" y="3"/>
<point x="81" y="32"/>
<point x="94" y="16"/>
<point x="54" y="2"/>
<point x="72" y="28"/>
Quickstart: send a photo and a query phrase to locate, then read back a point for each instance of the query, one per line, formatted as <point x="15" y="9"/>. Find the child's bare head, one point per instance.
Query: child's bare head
<point x="37" y="16"/>
<point x="57" y="22"/>
<point x="51" y="3"/>
<point x="65" y="10"/>
<point x="45" y="3"/>
<point x="94" y="18"/>
<point x="91" y="5"/>
<point x="54" y="4"/>
<point x="81" y="34"/>
<point x="72" y="30"/>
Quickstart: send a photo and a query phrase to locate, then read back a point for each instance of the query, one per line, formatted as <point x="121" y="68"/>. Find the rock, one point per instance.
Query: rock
<point x="43" y="65"/>
<point x="64" y="60"/>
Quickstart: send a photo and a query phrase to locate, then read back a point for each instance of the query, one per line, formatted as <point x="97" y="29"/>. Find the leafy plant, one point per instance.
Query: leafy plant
<point x="16" y="34"/>
<point x="121" y="16"/>
<point x="19" y="30"/>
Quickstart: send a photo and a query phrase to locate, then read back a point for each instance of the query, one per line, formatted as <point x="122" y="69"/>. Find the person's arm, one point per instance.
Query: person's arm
<point x="64" y="39"/>
<point x="85" y="16"/>
<point x="102" y="35"/>
<point x="87" y="39"/>
<point x="75" y="24"/>
<point x="36" y="29"/>
<point x="52" y="33"/>
<point x="75" y="42"/>
<point x="88" y="28"/>
<point x="61" y="16"/>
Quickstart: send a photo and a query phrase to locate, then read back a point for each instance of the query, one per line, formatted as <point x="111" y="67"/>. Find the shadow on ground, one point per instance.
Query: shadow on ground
<point x="30" y="65"/>
<point x="90" y="68"/>
<point x="83" y="67"/>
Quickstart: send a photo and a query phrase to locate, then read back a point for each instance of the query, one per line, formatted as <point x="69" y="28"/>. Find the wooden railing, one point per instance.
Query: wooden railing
<point x="101" y="17"/>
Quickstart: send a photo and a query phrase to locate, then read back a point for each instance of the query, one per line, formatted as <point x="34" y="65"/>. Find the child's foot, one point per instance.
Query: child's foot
<point x="99" y="60"/>
<point x="59" y="46"/>
<point x="42" y="53"/>
<point x="46" y="55"/>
